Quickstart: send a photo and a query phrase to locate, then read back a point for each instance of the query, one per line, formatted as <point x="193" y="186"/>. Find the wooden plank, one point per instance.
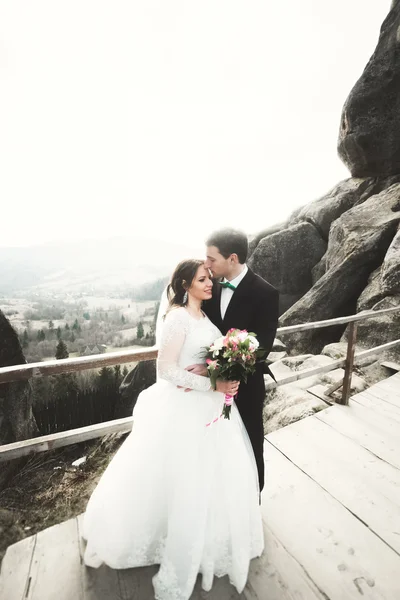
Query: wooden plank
<point x="297" y="375"/>
<point x="392" y="379"/>
<point x="376" y="350"/>
<point x="71" y="365"/>
<point x="136" y="584"/>
<point x="343" y="557"/>
<point x="319" y="391"/>
<point x="372" y="431"/>
<point x="337" y="321"/>
<point x="278" y="574"/>
<point x="275" y="570"/>
<point x="64" y="438"/>
<point x="393" y="366"/>
<point x="68" y="365"/>
<point x="390" y="411"/>
<point x="56" y="567"/>
<point x="384" y="394"/>
<point x="391" y="385"/>
<point x="332" y="388"/>
<point x="97" y="584"/>
<point x="14" y="574"/>
<point x="366" y="485"/>
<point x="351" y="345"/>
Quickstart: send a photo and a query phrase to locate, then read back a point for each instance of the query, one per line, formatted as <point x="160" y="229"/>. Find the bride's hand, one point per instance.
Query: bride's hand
<point x="198" y="369"/>
<point x="230" y="388"/>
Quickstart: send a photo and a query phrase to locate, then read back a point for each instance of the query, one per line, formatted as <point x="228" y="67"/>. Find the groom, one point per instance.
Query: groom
<point x="243" y="300"/>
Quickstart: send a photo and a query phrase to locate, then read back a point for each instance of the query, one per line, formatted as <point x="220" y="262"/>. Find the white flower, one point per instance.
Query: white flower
<point x="242" y="336"/>
<point x="253" y="341"/>
<point x="219" y="343"/>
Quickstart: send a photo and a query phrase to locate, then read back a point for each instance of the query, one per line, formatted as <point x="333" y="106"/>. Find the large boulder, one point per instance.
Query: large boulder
<point x="358" y="242"/>
<point x="319" y="270"/>
<point x="324" y="211"/>
<point x="390" y="275"/>
<point x="372" y="293"/>
<point x="286" y="259"/>
<point x="369" y="138"/>
<point x="255" y="239"/>
<point x="380" y="329"/>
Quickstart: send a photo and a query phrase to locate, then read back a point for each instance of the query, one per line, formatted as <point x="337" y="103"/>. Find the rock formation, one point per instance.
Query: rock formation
<point x="341" y="253"/>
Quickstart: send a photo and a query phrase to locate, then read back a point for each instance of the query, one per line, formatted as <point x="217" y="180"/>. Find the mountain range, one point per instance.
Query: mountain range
<point x="91" y="265"/>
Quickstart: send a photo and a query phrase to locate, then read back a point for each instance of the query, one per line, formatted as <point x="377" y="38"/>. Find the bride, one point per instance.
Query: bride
<point x="180" y="493"/>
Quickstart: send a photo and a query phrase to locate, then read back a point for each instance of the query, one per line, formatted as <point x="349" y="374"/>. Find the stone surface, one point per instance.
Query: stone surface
<point x="287" y="405"/>
<point x="295" y="362"/>
<point x="390" y="274"/>
<point x="369" y="138"/>
<point x="358" y="242"/>
<point x="324" y="211"/>
<point x="380" y="329"/>
<point x="372" y="293"/>
<point x="319" y="270"/>
<point x="286" y="258"/>
<point x="278" y="345"/>
<point x="335" y="350"/>
<point x="339" y="350"/>
<point x="275" y="356"/>
<point x="255" y="239"/>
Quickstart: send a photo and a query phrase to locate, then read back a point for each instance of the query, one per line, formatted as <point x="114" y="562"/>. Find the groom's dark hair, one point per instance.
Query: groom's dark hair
<point x="230" y="241"/>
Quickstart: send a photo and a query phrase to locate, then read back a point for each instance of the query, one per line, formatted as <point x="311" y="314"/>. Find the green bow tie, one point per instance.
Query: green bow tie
<point x="227" y="284"/>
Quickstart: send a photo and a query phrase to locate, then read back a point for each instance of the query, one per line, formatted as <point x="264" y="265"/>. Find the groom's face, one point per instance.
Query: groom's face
<point x="218" y="264"/>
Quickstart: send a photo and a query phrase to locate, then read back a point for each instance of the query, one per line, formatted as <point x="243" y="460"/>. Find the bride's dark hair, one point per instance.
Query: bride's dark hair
<point x="181" y="281"/>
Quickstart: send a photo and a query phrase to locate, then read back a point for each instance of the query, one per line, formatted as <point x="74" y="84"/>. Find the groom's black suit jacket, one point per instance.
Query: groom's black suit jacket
<point x="254" y="307"/>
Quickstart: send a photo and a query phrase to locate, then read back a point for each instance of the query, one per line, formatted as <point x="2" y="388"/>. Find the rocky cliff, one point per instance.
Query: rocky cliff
<point x="341" y="253"/>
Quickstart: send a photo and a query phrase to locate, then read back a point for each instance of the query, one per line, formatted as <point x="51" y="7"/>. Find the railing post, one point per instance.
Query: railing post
<point x="351" y="346"/>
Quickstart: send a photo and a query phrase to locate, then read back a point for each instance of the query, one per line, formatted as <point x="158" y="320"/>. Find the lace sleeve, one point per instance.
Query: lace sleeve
<point x="173" y="336"/>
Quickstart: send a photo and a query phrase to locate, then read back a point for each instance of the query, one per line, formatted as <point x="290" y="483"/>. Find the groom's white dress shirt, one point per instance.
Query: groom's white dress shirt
<point x="226" y="293"/>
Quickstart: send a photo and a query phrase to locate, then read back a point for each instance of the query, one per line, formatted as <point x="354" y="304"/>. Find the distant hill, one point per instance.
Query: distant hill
<point x="93" y="265"/>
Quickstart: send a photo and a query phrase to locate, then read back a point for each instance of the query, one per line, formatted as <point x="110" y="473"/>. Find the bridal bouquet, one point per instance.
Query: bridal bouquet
<point x="233" y="357"/>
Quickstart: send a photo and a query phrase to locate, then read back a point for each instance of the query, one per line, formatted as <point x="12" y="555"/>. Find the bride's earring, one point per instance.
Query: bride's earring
<point x="185" y="298"/>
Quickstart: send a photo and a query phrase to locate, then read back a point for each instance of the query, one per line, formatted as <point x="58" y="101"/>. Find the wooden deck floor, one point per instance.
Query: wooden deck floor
<point x="331" y="512"/>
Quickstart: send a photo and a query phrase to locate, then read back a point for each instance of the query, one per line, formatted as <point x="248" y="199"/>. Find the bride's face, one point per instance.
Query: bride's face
<point x="201" y="287"/>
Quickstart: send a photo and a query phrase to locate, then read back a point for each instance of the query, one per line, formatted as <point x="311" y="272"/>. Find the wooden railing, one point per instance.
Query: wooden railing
<point x="70" y="365"/>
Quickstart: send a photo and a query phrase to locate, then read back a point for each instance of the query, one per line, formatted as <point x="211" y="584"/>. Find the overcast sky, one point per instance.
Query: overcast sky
<point x="170" y="118"/>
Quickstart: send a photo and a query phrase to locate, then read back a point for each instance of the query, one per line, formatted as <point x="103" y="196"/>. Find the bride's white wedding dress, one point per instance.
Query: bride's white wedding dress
<point x="179" y="493"/>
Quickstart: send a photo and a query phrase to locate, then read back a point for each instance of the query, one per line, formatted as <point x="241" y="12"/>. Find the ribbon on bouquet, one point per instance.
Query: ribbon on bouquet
<point x="228" y="401"/>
